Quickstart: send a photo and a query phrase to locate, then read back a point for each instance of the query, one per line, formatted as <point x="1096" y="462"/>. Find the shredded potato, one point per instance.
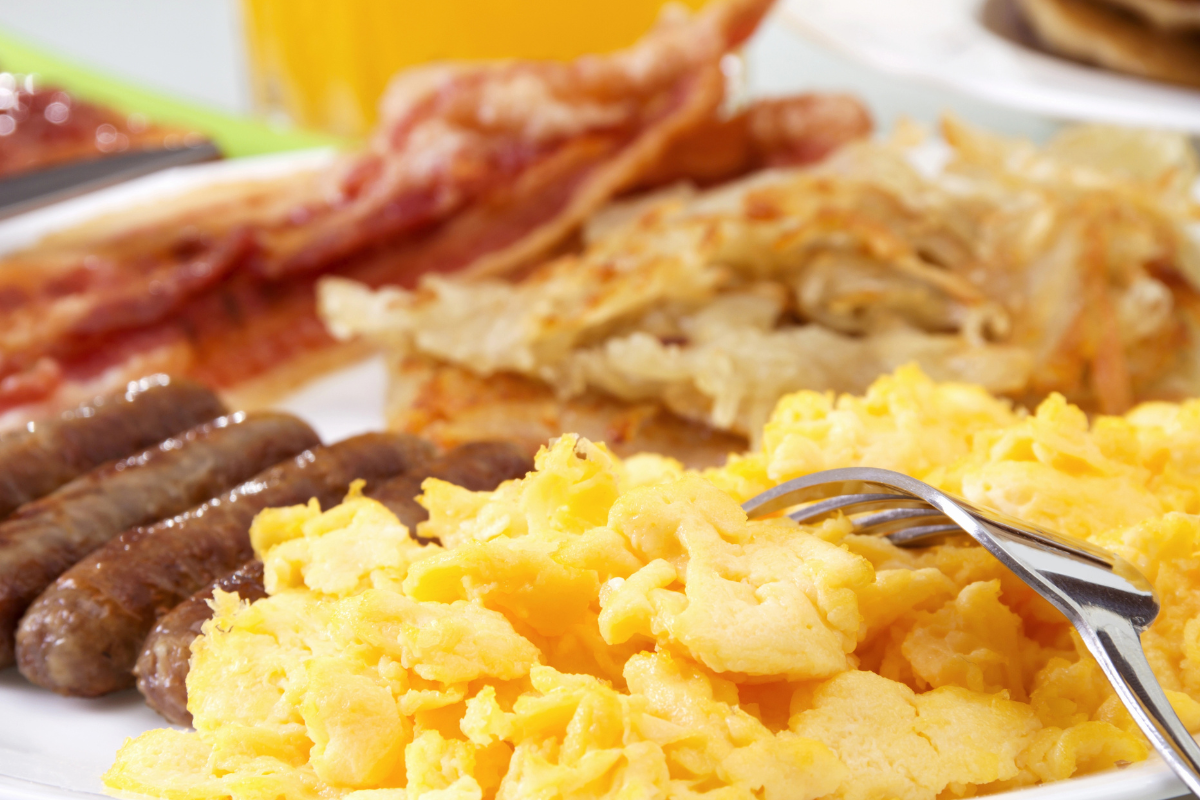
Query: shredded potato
<point x="617" y="629"/>
<point x="1070" y="268"/>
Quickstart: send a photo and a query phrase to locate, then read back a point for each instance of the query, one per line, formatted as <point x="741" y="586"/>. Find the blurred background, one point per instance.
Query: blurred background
<point x="266" y="75"/>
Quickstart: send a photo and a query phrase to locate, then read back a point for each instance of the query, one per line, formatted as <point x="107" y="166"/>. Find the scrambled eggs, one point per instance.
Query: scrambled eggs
<point x="621" y="630"/>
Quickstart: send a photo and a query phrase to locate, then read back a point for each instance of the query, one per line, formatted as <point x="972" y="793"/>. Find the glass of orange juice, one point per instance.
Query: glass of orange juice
<point x="325" y="63"/>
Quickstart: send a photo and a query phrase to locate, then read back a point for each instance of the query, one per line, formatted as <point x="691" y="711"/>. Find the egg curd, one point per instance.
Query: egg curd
<point x="620" y="630"/>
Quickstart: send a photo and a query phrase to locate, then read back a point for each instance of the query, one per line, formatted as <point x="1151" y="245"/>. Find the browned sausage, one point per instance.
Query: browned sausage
<point x="162" y="668"/>
<point x="41" y="457"/>
<point x="163" y="665"/>
<point x="83" y="635"/>
<point x="44" y="538"/>
<point x="478" y="466"/>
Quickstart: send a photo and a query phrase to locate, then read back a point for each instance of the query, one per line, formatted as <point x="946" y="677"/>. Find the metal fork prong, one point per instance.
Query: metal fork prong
<point x="923" y="535"/>
<point x="891" y="519"/>
<point x="817" y="486"/>
<point x="851" y="503"/>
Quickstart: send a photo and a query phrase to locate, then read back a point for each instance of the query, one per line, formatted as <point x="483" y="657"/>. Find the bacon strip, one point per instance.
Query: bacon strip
<point x="787" y="131"/>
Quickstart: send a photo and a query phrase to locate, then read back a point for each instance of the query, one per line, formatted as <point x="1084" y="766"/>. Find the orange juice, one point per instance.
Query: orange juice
<point x="325" y="63"/>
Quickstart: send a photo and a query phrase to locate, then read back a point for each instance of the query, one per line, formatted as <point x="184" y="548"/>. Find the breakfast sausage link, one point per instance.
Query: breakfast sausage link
<point x="83" y="635"/>
<point x="162" y="668"/>
<point x="43" y="456"/>
<point x="44" y="538"/>
<point x="478" y="466"/>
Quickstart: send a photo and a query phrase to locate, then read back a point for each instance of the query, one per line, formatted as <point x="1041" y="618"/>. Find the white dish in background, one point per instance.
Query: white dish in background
<point x="948" y="42"/>
<point x="56" y="748"/>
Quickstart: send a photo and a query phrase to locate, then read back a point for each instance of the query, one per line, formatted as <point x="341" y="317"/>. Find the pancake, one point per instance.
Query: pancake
<point x="1165" y="14"/>
<point x="1110" y="37"/>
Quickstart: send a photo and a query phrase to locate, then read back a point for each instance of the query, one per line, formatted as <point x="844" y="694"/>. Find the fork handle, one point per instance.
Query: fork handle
<point x="1117" y="647"/>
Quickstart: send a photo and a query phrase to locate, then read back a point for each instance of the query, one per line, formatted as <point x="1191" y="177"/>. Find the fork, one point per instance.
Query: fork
<point x="1108" y="601"/>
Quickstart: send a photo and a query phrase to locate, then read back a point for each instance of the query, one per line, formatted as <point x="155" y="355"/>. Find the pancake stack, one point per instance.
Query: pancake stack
<point x="1157" y="39"/>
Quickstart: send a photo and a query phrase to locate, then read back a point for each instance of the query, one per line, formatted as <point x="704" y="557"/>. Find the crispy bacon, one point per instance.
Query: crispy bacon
<point x="115" y="275"/>
<point x="786" y="131"/>
<point x="475" y="168"/>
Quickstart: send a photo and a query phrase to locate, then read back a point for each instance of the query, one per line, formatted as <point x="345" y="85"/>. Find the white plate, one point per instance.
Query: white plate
<point x="56" y="748"/>
<point x="25" y="229"/>
<point x="947" y="42"/>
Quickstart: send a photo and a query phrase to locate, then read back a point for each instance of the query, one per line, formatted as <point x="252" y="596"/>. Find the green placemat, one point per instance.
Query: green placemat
<point x="235" y="135"/>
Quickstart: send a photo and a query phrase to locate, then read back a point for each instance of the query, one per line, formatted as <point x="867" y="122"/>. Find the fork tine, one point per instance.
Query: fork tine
<point x="891" y="519"/>
<point x="818" y="486"/>
<point x="851" y="503"/>
<point x="923" y="535"/>
<point x="907" y="521"/>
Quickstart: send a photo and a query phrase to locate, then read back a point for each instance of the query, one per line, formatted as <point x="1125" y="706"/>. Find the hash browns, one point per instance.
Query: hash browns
<point x="1069" y="268"/>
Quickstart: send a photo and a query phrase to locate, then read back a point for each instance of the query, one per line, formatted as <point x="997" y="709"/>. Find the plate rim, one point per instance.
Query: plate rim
<point x="26" y="229"/>
<point x="1114" y="99"/>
